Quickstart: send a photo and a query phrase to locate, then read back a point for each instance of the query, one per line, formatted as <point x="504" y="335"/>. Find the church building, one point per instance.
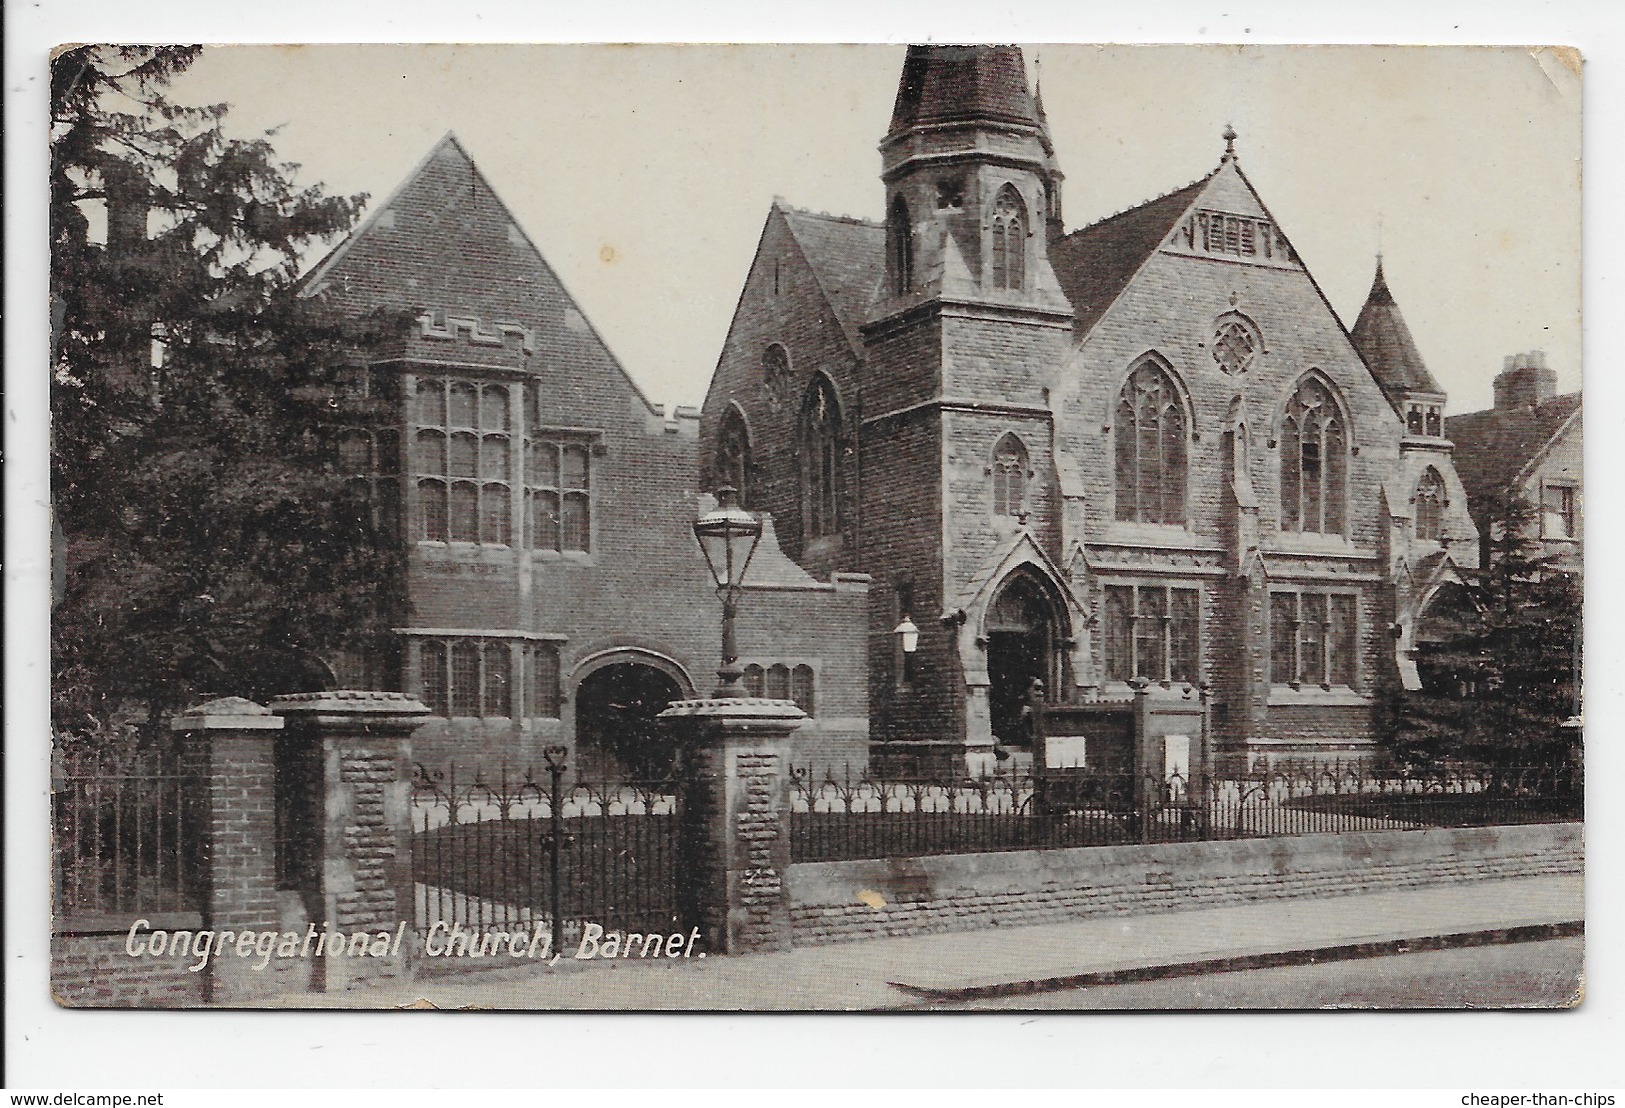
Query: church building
<point x="555" y="589"/>
<point x="1143" y="451"/>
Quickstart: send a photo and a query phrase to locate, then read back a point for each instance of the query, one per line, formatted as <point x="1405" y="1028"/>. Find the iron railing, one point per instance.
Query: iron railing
<point x="514" y="849"/>
<point x="840" y="817"/>
<point x="121" y="839"/>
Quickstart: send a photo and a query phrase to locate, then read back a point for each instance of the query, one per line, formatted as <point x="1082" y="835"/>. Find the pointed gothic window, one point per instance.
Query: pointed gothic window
<point x="820" y="453"/>
<point x="775" y="362"/>
<point x="1009" y="477"/>
<point x="1314" y="462"/>
<point x="733" y="454"/>
<point x="900" y="243"/>
<point x="1009" y="240"/>
<point x="1150" y="433"/>
<point x="1429" y="501"/>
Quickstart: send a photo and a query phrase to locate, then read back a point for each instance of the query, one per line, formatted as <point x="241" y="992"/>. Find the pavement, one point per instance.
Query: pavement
<point x="919" y="971"/>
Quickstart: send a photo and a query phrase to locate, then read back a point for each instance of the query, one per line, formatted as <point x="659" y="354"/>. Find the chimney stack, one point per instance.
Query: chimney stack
<point x="1524" y="381"/>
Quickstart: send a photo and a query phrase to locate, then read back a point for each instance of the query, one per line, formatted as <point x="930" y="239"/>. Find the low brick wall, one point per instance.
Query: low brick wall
<point x="841" y="901"/>
<point x="95" y="971"/>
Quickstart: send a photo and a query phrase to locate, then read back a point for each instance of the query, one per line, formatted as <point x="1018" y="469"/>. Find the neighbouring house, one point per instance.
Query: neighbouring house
<point x="1530" y="446"/>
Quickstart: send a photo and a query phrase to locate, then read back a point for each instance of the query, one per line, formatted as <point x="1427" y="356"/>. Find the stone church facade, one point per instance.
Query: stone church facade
<point x="1146" y="450"/>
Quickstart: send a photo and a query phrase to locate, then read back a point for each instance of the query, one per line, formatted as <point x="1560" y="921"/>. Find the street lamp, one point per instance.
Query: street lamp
<point x="728" y="535"/>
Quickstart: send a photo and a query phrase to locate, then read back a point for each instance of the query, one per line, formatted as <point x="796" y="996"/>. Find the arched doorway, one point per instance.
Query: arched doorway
<point x="617" y="735"/>
<point x="1443" y="642"/>
<point x="1025" y="641"/>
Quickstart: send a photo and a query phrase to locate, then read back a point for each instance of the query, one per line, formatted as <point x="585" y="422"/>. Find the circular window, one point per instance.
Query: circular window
<point x="1235" y="345"/>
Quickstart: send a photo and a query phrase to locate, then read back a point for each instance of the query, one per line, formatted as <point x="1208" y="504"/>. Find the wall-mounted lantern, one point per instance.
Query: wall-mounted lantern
<point x="908" y="638"/>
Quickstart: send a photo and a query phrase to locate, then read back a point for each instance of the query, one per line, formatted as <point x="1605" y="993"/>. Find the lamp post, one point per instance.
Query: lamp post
<point x="728" y="535"/>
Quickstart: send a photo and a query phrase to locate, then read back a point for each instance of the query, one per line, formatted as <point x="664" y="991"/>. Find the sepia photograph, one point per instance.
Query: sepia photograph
<point x="816" y="528"/>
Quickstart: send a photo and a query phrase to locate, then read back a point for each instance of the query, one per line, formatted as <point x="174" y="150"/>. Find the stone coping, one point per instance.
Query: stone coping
<point x="228" y="713"/>
<point x="735" y="707"/>
<point x="351" y="702"/>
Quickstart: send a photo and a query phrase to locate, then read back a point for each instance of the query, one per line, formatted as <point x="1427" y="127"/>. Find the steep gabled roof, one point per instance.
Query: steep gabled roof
<point x="1095" y="263"/>
<point x="1384" y="341"/>
<point x="445" y="239"/>
<point x="1495" y="446"/>
<point x="963" y="84"/>
<point x="847" y="257"/>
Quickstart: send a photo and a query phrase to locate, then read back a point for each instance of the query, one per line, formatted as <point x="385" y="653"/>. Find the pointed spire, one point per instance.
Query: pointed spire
<point x="1383" y="340"/>
<point x="1038" y="105"/>
<point x="1380" y="295"/>
<point x="963" y="84"/>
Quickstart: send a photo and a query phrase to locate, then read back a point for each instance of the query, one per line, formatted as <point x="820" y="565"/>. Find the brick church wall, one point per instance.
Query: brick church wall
<point x="444" y="246"/>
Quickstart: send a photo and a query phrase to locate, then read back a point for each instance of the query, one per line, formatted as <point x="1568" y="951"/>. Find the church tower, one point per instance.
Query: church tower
<point x="965" y="334"/>
<point x="973" y="191"/>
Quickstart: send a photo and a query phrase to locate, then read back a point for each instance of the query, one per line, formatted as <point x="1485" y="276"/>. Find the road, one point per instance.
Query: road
<point x="1538" y="974"/>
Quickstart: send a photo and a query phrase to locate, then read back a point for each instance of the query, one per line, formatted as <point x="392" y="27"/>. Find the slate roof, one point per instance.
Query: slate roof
<point x="1494" y="446"/>
<point x="1384" y="341"/>
<point x="963" y="84"/>
<point x="1095" y="263"/>
<point x="847" y="256"/>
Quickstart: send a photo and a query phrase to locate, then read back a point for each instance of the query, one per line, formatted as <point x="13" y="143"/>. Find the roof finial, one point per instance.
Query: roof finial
<point x="1229" y="137"/>
<point x="1379" y="242"/>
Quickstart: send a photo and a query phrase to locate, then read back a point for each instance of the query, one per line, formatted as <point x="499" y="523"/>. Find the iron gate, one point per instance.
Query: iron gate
<point x="509" y="851"/>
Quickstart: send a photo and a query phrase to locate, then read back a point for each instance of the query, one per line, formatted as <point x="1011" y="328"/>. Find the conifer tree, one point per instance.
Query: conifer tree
<point x="1501" y="689"/>
<point x="212" y="543"/>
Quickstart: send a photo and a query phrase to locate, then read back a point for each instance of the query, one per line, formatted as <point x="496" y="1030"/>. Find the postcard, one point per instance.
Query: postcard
<point x="816" y="528"/>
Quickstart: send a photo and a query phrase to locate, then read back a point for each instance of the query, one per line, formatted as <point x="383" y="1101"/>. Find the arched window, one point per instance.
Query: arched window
<point x="900" y="243"/>
<point x="1009" y="240"/>
<point x="775" y="362"/>
<point x="1009" y="477"/>
<point x="733" y="454"/>
<point x="1314" y="461"/>
<point x="801" y="688"/>
<point x="778" y="681"/>
<point x="1429" y="501"/>
<point x="1150" y="448"/>
<point x="820" y="453"/>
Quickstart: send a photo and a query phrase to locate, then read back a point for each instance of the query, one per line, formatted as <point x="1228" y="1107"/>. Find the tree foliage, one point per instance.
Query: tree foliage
<point x="1499" y="689"/>
<point x="212" y="544"/>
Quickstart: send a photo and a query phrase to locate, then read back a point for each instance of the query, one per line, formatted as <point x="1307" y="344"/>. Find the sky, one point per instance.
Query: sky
<point x="644" y="172"/>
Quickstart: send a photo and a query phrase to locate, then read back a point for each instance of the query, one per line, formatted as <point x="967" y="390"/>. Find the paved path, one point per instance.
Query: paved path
<point x="911" y="972"/>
